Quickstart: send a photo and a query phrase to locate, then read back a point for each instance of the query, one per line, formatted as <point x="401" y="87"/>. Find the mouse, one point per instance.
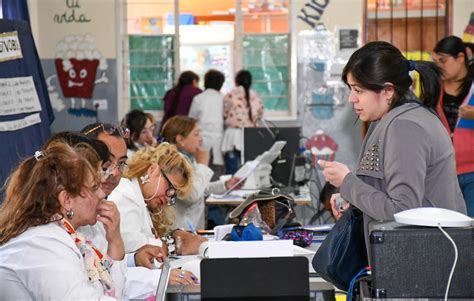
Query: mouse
<point x="432" y="217"/>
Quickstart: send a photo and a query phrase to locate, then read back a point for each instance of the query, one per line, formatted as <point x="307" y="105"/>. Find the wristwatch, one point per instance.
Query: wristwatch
<point x="169" y="241"/>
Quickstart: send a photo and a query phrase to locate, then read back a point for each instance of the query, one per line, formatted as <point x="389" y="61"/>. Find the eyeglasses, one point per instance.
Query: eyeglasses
<point x="110" y="129"/>
<point x="150" y="129"/>
<point x="108" y="167"/>
<point x="171" y="191"/>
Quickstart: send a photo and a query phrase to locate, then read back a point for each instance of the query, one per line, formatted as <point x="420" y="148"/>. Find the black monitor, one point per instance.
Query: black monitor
<point x="257" y="140"/>
<point x="273" y="278"/>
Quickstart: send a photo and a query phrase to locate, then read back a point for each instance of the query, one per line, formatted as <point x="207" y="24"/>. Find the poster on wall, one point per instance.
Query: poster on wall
<point x="78" y="55"/>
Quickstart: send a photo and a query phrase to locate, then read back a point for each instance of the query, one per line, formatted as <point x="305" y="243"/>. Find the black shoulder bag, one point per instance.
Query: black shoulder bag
<point x="343" y="253"/>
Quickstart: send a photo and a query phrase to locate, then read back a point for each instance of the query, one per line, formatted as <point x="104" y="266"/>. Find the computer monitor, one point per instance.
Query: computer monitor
<point x="273" y="278"/>
<point x="257" y="140"/>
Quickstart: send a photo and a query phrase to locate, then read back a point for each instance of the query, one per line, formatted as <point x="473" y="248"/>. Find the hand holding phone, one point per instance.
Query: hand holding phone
<point x="341" y="204"/>
<point x="338" y="205"/>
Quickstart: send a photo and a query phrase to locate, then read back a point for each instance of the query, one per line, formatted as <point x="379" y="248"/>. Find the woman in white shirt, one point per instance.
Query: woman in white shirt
<point x="41" y="255"/>
<point x="154" y="178"/>
<point x="184" y="132"/>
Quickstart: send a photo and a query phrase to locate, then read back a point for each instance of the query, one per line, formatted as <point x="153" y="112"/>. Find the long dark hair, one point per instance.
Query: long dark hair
<point x="244" y="78"/>
<point x="135" y="121"/>
<point x="453" y="46"/>
<point x="378" y="63"/>
<point x="186" y="78"/>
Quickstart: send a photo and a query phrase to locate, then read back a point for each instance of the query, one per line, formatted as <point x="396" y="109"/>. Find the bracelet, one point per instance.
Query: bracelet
<point x="169" y="241"/>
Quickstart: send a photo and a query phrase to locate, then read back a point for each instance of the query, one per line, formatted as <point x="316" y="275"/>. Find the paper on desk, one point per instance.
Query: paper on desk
<point x="297" y="250"/>
<point x="182" y="260"/>
<point x="194" y="266"/>
<point x="141" y="282"/>
<point x="243" y="173"/>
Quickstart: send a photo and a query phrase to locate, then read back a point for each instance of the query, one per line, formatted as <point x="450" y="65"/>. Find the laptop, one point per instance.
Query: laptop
<point x="160" y="294"/>
<point x="273" y="278"/>
<point x="249" y="167"/>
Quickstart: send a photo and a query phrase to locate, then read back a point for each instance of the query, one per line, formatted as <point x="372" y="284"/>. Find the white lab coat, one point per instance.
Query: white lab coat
<point x="192" y="208"/>
<point x="44" y="263"/>
<point x="208" y="109"/>
<point x="135" y="220"/>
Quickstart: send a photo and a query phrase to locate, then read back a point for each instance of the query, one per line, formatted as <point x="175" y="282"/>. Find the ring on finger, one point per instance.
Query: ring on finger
<point x="181" y="275"/>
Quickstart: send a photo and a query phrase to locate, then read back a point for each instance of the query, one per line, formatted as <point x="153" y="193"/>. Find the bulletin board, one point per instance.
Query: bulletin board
<point x="25" y="110"/>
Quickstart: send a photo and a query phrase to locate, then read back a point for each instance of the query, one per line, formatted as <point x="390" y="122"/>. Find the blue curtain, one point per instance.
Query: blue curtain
<point x="15" y="10"/>
<point x="16" y="145"/>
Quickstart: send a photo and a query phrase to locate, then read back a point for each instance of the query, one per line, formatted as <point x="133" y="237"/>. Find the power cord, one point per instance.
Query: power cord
<point x="362" y="273"/>
<point x="454" y="263"/>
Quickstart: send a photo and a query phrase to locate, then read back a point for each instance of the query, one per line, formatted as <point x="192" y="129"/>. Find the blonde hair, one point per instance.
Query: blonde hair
<point x="170" y="161"/>
<point x="32" y="189"/>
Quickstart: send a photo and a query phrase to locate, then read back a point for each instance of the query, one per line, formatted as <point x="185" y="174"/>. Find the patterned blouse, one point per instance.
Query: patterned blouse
<point x="236" y="110"/>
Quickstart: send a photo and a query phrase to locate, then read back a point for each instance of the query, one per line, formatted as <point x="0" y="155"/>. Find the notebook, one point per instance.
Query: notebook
<point x="160" y="294"/>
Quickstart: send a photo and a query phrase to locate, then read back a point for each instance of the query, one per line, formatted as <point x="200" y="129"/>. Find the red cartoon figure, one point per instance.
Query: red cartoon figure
<point x="77" y="62"/>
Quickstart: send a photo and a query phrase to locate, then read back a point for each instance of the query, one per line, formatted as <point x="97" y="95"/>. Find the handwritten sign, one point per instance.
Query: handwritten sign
<point x="20" y="123"/>
<point x="18" y="95"/>
<point x="10" y="46"/>
<point x="71" y="15"/>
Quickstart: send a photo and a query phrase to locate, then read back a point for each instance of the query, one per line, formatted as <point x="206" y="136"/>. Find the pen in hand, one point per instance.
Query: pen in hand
<point x="191" y="227"/>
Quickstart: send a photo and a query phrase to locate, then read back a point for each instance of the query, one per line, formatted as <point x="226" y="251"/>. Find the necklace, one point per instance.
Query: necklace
<point x="97" y="266"/>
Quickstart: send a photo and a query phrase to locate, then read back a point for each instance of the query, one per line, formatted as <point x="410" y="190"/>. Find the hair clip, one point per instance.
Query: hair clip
<point x="160" y="139"/>
<point x="38" y="155"/>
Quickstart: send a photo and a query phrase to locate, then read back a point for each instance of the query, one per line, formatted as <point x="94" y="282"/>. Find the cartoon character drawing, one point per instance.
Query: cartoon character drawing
<point x="322" y="146"/>
<point x="77" y="62"/>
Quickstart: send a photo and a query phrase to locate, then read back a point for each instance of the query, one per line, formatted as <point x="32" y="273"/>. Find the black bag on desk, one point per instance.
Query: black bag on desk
<point x="343" y="253"/>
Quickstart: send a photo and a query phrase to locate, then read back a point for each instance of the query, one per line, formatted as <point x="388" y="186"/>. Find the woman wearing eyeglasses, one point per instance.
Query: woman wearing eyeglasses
<point x="154" y="178"/>
<point x="142" y="130"/>
<point x="184" y="132"/>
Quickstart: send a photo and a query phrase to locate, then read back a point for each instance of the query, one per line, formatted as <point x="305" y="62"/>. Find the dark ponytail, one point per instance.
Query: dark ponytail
<point x="186" y="78"/>
<point x="430" y="83"/>
<point x="244" y="79"/>
<point x="452" y="46"/>
<point x="378" y="63"/>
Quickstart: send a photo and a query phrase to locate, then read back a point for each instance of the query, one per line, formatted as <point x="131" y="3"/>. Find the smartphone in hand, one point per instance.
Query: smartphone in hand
<point x="341" y="204"/>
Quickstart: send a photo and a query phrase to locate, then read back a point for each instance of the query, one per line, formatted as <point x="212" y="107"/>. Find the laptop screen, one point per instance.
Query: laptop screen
<point x="163" y="282"/>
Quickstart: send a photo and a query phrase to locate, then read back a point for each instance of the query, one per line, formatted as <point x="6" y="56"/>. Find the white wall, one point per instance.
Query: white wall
<point x="462" y="10"/>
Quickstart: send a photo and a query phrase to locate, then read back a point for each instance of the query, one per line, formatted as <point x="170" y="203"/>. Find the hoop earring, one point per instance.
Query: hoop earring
<point x="70" y="214"/>
<point x="145" y="179"/>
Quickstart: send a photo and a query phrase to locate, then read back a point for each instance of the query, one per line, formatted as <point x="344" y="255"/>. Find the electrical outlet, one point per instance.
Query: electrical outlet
<point x="101" y="103"/>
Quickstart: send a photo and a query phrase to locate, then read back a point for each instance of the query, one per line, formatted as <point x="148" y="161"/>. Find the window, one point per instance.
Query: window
<point x="227" y="35"/>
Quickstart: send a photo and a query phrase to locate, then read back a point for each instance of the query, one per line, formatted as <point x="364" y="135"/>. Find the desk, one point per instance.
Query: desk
<point x="318" y="290"/>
